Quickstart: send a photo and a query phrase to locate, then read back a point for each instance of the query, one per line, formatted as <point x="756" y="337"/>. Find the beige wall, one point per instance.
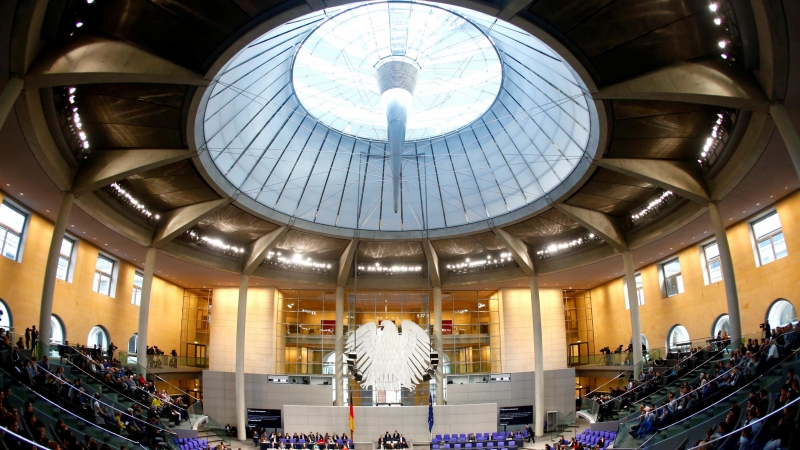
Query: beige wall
<point x="517" y="330"/>
<point x="259" y="330"/>
<point x="699" y="306"/>
<point x="76" y="304"/>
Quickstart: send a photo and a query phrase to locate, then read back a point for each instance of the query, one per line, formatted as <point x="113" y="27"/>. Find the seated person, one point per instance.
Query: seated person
<point x="472" y="437"/>
<point x="402" y="442"/>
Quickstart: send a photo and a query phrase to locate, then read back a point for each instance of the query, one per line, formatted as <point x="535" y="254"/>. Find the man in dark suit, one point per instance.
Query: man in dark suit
<point x="529" y="430"/>
<point x="403" y="443"/>
<point x="396" y="436"/>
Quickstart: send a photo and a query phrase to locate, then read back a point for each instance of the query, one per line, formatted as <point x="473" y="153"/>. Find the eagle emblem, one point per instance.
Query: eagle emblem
<point x="384" y="359"/>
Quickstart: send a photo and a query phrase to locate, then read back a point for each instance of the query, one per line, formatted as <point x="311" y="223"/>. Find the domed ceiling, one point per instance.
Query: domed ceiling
<point x="295" y="120"/>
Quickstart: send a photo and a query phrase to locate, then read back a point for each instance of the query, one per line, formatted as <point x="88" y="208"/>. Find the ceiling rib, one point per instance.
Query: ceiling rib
<point x="88" y="60"/>
<point x="512" y="7"/>
<point x="706" y="82"/>
<point x="603" y="225"/>
<point x="345" y="262"/>
<point x="179" y="220"/>
<point x="518" y="249"/>
<point x="108" y="166"/>
<point x="433" y="263"/>
<point x="671" y="175"/>
<point x="260" y="247"/>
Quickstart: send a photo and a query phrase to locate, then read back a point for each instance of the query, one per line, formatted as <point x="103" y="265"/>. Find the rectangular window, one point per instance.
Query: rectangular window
<point x="769" y="239"/>
<point x="12" y="223"/>
<point x="102" y="275"/>
<point x="713" y="265"/>
<point x="673" y="280"/>
<point x="136" y="296"/>
<point x="65" y="259"/>
<point x="639" y="291"/>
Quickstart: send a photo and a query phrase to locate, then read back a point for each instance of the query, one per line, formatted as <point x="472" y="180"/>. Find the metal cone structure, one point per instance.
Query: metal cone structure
<point x="397" y="79"/>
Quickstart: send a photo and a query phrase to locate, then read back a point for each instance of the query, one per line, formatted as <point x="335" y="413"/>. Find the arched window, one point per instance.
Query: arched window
<point x="644" y="341"/>
<point x="133" y="343"/>
<point x="678" y="335"/>
<point x="58" y="332"/>
<point x="722" y="324"/>
<point x="98" y="336"/>
<point x="5" y="315"/>
<point x="781" y="313"/>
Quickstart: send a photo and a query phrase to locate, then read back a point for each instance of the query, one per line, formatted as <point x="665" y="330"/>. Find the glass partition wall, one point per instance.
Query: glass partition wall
<point x="307" y="320"/>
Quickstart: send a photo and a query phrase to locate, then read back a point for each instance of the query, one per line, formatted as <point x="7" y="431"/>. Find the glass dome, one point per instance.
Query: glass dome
<point x="294" y="121"/>
<point x="334" y="69"/>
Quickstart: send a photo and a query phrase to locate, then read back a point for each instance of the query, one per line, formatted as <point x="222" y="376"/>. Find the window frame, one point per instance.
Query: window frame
<point x="769" y="236"/>
<point x="112" y="275"/>
<point x="664" y="279"/>
<point x="70" y="259"/>
<point x="639" y="290"/>
<point x="23" y="233"/>
<point x="137" y="299"/>
<point x="706" y="262"/>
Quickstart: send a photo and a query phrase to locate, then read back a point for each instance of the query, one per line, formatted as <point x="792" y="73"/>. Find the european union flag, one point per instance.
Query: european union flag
<point x="430" y="412"/>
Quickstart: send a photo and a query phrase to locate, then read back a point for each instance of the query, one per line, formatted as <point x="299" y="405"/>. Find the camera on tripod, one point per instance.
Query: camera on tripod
<point x="618" y="350"/>
<point x="605" y="351"/>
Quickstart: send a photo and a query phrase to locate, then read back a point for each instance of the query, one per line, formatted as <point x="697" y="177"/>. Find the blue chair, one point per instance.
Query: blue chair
<point x="457" y="446"/>
<point x="445" y="446"/>
<point x="468" y="445"/>
<point x="479" y="445"/>
<point x="490" y="444"/>
<point x="462" y="437"/>
<point x="435" y="447"/>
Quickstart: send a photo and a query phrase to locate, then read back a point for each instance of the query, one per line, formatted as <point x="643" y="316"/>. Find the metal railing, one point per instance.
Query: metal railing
<point x="163" y="361"/>
<point x="613" y="359"/>
<point x="724" y="400"/>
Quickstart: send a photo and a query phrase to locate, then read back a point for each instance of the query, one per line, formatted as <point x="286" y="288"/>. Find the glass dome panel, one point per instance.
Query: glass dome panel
<point x="294" y="121"/>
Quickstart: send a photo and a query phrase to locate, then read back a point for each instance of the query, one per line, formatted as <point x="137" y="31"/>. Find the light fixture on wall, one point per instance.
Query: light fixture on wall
<point x="128" y="199"/>
<point x="656" y="204"/>
<point x="561" y="247"/>
<point x="215" y="243"/>
<point x="389" y="269"/>
<point x="471" y="265"/>
<point x="297" y="262"/>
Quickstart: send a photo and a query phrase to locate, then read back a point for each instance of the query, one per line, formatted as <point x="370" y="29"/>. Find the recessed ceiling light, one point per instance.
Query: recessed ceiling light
<point x="757" y="204"/>
<point x="47" y="210"/>
<point x="73" y="226"/>
<point x="21" y="193"/>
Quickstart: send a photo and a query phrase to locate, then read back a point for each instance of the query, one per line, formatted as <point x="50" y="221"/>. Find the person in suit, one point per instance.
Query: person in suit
<point x="403" y="443"/>
<point x="396" y="435"/>
<point x="27" y="338"/>
<point x="381" y="442"/>
<point x="529" y="430"/>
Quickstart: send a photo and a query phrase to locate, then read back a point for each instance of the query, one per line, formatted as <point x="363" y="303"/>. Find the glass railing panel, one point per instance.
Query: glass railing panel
<point x="127" y="359"/>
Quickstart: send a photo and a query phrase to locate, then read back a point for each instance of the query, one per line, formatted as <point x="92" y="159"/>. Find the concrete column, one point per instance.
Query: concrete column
<point x="144" y="308"/>
<point x="241" y="315"/>
<point x="7" y="99"/>
<point x="49" y="286"/>
<point x="728" y="277"/>
<point x="636" y="322"/>
<point x="538" y="357"/>
<point x="437" y="343"/>
<point x="339" y="330"/>
<point x="788" y="133"/>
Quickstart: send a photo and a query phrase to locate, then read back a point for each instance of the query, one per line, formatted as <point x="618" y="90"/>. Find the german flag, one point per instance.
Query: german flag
<point x="352" y="418"/>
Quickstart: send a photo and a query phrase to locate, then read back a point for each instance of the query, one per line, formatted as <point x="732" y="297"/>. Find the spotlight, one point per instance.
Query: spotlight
<point x="713" y="7"/>
<point x="722" y="44"/>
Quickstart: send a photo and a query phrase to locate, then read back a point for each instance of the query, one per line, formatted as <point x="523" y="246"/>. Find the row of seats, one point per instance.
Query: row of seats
<point x="490" y="444"/>
<point x="462" y="438"/>
<point x="592" y="437"/>
<point x="190" y="443"/>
